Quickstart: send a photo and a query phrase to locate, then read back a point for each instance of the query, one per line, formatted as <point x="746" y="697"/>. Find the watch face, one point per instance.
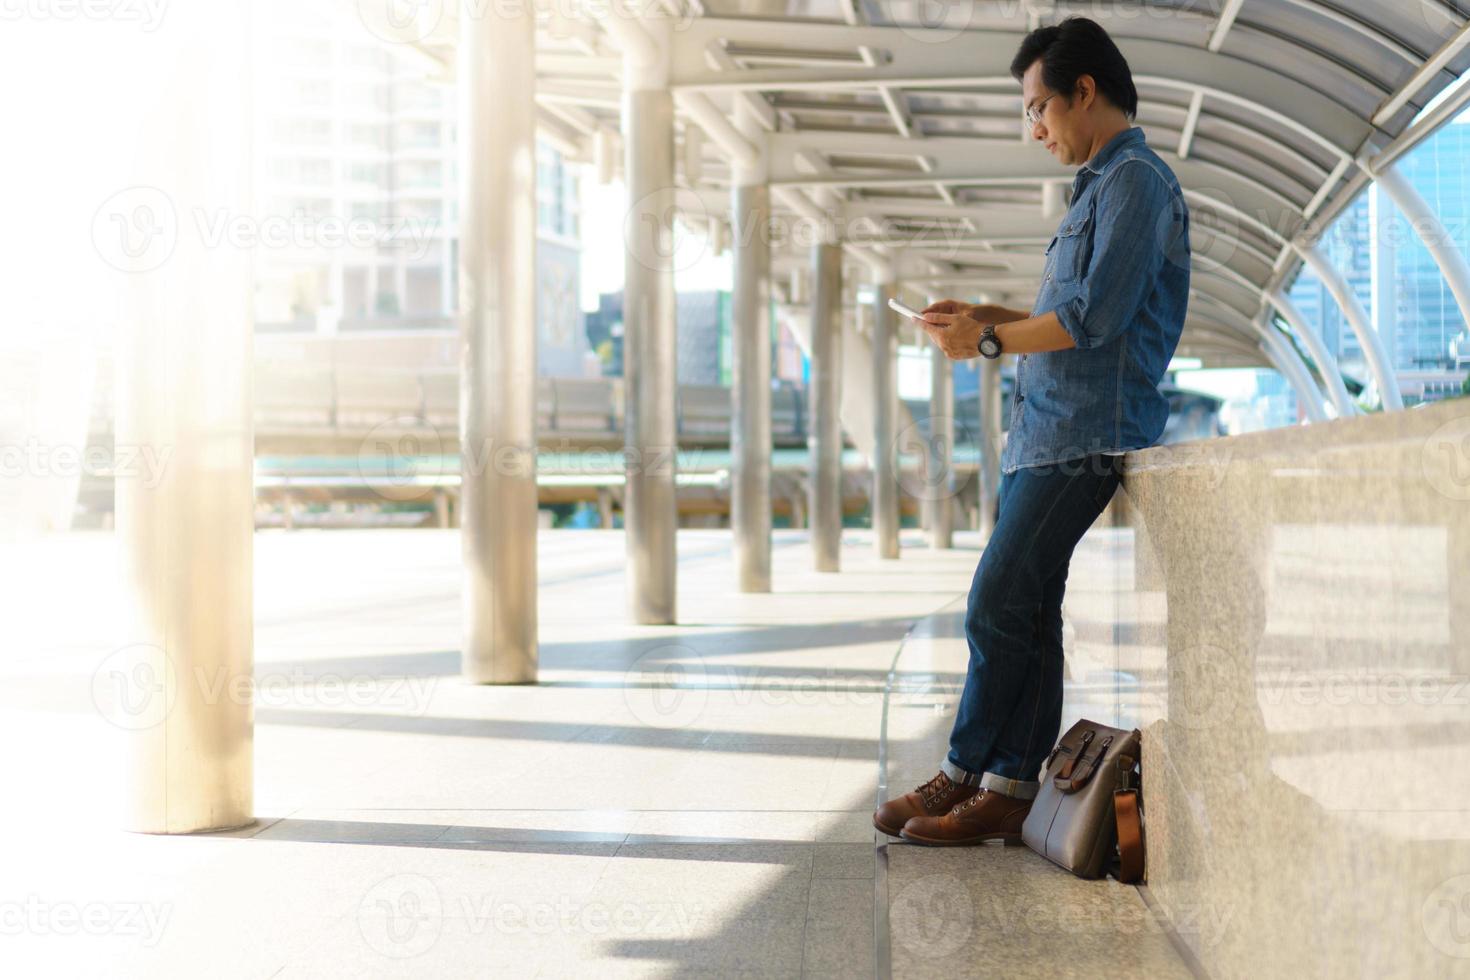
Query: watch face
<point x="989" y="346"/>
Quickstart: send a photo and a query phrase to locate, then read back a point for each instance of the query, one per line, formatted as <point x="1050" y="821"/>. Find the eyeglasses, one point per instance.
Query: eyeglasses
<point x="1033" y="113"/>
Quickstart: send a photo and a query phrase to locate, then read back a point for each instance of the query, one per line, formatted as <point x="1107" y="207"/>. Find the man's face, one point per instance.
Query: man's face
<point x="1063" y="128"/>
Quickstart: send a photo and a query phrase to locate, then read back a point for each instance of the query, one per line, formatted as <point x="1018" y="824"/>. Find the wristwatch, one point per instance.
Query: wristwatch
<point x="989" y="343"/>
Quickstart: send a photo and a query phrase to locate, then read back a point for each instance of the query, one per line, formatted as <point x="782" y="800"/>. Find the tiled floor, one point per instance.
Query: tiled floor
<point x="676" y="801"/>
<point x="995" y="911"/>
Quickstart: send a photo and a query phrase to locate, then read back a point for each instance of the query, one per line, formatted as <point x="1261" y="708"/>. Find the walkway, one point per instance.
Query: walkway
<point x="600" y="823"/>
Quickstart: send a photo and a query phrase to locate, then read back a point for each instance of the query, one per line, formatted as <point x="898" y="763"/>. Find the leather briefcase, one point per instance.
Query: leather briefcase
<point x="1087" y="816"/>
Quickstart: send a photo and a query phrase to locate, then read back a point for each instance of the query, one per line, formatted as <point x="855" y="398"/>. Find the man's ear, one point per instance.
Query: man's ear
<point x="1086" y="91"/>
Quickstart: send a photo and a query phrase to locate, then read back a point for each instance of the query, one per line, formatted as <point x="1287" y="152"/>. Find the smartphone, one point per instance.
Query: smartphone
<point x="898" y="307"/>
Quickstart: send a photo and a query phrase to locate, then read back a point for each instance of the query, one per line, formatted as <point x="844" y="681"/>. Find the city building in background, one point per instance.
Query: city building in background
<point x="1394" y="276"/>
<point x="356" y="164"/>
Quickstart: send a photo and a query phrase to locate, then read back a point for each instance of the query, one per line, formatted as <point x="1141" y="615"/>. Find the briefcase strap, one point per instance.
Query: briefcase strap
<point x="1130" y="835"/>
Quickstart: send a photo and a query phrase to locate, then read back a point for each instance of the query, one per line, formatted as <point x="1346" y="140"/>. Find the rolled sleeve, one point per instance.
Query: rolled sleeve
<point x="1135" y="217"/>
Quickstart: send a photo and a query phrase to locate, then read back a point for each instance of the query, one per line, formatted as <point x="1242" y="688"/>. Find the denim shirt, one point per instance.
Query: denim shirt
<point x="1117" y="277"/>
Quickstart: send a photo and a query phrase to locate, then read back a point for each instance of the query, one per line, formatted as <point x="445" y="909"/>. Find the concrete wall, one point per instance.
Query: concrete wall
<point x="1292" y="633"/>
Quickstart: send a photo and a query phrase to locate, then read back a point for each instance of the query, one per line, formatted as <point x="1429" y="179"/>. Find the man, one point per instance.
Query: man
<point x="1106" y="321"/>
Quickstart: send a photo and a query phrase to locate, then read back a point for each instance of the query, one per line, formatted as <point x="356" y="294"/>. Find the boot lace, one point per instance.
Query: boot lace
<point x="968" y="802"/>
<point x="931" y="791"/>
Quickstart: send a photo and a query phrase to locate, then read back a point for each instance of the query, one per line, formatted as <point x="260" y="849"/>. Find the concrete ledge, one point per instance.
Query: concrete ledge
<point x="1301" y="649"/>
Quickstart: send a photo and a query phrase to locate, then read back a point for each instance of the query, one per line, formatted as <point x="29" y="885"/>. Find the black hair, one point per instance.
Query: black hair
<point x="1075" y="47"/>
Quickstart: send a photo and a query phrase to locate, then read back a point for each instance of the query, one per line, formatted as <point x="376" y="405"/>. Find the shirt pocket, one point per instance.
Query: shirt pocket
<point x="1071" y="249"/>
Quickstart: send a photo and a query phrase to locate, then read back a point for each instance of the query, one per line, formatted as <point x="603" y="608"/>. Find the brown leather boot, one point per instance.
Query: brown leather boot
<point x="931" y="799"/>
<point x="987" y="815"/>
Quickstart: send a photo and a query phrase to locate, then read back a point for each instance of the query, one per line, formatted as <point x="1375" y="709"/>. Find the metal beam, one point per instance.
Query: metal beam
<point x="1368" y="338"/>
<point x="497" y="274"/>
<point x="649" y="335"/>
<point x="750" y="428"/>
<point x="884" y="499"/>
<point x="1327" y="366"/>
<point x="824" y="440"/>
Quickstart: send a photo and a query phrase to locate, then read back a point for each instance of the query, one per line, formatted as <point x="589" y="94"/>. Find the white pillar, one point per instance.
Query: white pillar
<point x="179" y="684"/>
<point x="1326" y="363"/>
<point x="497" y="275"/>
<point x="1368" y="338"/>
<point x="1285" y="358"/>
<point x="824" y="441"/>
<point x="650" y="506"/>
<point x="939" y="477"/>
<point x="885" y="501"/>
<point x="750" y="426"/>
<point x="988" y="436"/>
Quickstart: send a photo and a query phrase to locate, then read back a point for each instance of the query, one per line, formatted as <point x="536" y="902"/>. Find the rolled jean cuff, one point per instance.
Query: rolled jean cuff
<point x="962" y="777"/>
<point x="1020" y="789"/>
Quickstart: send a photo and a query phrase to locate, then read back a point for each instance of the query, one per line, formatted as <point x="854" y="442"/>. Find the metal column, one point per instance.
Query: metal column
<point x="650" y="506"/>
<point x="497" y="276"/>
<point x="1432" y="233"/>
<point x="1326" y="363"/>
<point x="885" y="411"/>
<point x="750" y="426"/>
<point x="1368" y="338"/>
<point x="1289" y="363"/>
<point x="988" y="436"/>
<point x="179" y="685"/>
<point x="939" y="477"/>
<point x="824" y="440"/>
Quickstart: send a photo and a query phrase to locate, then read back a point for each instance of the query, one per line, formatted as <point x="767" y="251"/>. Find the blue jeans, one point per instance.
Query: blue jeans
<point x="1011" y="708"/>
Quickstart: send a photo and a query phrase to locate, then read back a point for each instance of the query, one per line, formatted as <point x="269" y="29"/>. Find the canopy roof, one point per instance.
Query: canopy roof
<point x="904" y="118"/>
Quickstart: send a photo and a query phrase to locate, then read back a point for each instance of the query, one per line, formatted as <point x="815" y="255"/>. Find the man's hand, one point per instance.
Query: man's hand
<point x="957" y="334"/>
